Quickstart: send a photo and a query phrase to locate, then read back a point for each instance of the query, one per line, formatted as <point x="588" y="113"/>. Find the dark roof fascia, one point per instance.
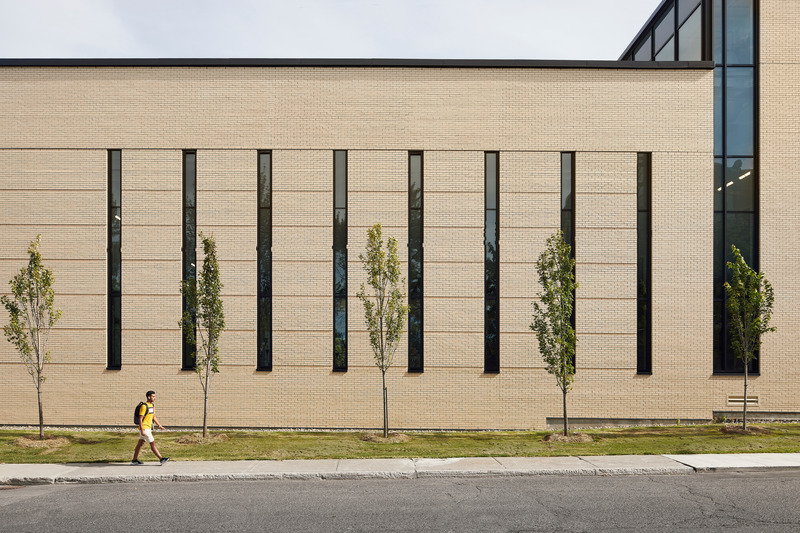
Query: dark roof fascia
<point x="655" y="14"/>
<point x="365" y="63"/>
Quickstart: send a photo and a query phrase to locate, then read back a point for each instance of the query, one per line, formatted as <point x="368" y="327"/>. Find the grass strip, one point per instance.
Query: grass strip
<point x="108" y="446"/>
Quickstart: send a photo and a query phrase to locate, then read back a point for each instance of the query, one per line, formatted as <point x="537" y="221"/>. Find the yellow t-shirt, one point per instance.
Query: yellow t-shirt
<point x="147" y="411"/>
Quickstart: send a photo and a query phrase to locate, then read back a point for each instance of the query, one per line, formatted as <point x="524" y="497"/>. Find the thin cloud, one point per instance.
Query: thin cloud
<point x="498" y="29"/>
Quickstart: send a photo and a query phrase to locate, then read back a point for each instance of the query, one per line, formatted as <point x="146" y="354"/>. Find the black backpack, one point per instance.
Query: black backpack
<point x="136" y="413"/>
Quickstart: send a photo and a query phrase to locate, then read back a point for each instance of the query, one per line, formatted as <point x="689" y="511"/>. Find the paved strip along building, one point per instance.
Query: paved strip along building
<point x="652" y="165"/>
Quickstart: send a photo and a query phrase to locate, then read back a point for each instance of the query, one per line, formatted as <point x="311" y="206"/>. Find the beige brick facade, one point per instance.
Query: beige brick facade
<point x="56" y="125"/>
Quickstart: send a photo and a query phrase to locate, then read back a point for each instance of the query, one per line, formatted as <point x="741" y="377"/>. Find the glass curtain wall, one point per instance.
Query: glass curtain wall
<point x="735" y="162"/>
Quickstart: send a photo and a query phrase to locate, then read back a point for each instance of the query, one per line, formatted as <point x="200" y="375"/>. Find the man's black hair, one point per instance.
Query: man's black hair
<point x="150" y="393"/>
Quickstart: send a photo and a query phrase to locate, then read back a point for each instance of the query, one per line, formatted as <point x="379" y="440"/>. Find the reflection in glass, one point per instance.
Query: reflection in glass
<point x="115" y="340"/>
<point x="264" y="334"/>
<point x="189" y="181"/>
<point x="668" y="52"/>
<point x="340" y="334"/>
<point x="340" y="273"/>
<point x="264" y="251"/>
<point x="740" y="231"/>
<point x="739" y="111"/>
<point x="643" y="253"/>
<point x="717" y="33"/>
<point x="491" y="265"/>
<point x="415" y="262"/>
<point x="719" y="255"/>
<point x="740" y="185"/>
<point x="114" y="261"/>
<point x="189" y="267"/>
<point x="644" y="52"/>
<point x="116" y="182"/>
<point x="685" y="8"/>
<point x="665" y="29"/>
<point x="643" y="357"/>
<point x="415" y="361"/>
<point x="415" y="181"/>
<point x="340" y="229"/>
<point x="739" y="29"/>
<point x="491" y="334"/>
<point x="718" y="107"/>
<point x="643" y="260"/>
<point x="340" y="260"/>
<point x="265" y="274"/>
<point x="691" y="38"/>
<point x="719" y="183"/>
<point x="340" y="179"/>
<point x="264" y="179"/>
<point x="567" y="201"/>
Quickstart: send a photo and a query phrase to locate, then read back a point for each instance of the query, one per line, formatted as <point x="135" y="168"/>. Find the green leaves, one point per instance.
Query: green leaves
<point x="205" y="317"/>
<point x="385" y="310"/>
<point x="552" y="315"/>
<point x="32" y="312"/>
<point x="750" y="301"/>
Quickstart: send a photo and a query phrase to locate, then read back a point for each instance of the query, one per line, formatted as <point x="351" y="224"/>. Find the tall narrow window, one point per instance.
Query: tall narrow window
<point x="415" y="262"/>
<point x="264" y="251"/>
<point x="340" y="261"/>
<point x="189" y="241"/>
<point x="736" y="176"/>
<point x="643" y="260"/>
<point x="491" y="242"/>
<point x="114" y="326"/>
<point x="568" y="210"/>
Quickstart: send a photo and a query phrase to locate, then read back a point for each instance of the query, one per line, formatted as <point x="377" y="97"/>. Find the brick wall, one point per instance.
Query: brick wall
<point x="55" y="128"/>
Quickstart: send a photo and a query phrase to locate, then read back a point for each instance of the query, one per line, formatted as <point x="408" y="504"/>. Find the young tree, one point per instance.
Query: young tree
<point x="205" y="319"/>
<point x="33" y="314"/>
<point x="552" y="319"/>
<point x="385" y="310"/>
<point x="750" y="300"/>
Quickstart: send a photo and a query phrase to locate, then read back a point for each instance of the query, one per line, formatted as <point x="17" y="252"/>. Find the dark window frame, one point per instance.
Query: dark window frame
<point x="420" y="366"/>
<point x="264" y="364"/>
<point x="188" y="270"/>
<point x="114" y="266"/>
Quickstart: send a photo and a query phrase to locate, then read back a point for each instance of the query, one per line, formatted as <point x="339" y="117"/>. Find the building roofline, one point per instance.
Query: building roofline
<point x="363" y="63"/>
<point x="653" y="15"/>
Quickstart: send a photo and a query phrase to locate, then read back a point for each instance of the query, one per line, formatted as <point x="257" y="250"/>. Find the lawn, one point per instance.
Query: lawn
<point x="106" y="446"/>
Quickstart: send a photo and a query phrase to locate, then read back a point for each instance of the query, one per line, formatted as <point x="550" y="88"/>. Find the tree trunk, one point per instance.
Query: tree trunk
<point x="566" y="423"/>
<point x="744" y="404"/>
<point x="205" y="405"/>
<point x="41" y="416"/>
<point x="385" y="408"/>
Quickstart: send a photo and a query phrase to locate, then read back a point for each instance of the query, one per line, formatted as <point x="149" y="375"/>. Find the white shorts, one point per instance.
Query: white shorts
<point x="147" y="435"/>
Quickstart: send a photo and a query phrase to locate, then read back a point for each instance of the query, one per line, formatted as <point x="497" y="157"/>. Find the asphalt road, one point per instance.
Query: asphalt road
<point x="756" y="501"/>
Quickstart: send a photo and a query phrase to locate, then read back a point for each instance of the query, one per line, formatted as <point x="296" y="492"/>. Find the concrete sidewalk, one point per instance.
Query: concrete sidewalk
<point x="31" y="474"/>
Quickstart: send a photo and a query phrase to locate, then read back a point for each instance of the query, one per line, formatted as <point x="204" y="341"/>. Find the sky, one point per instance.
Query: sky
<point x="407" y="29"/>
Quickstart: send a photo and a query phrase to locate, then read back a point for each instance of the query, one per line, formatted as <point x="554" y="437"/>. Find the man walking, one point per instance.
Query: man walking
<point x="147" y="415"/>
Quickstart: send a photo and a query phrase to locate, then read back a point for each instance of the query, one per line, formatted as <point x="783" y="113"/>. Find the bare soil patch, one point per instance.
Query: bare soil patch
<point x="751" y="430"/>
<point x="197" y="438"/>
<point x="394" y="438"/>
<point x="33" y="441"/>
<point x="572" y="437"/>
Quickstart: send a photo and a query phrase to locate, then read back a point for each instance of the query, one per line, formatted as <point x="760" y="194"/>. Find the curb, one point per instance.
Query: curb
<point x="363" y="469"/>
